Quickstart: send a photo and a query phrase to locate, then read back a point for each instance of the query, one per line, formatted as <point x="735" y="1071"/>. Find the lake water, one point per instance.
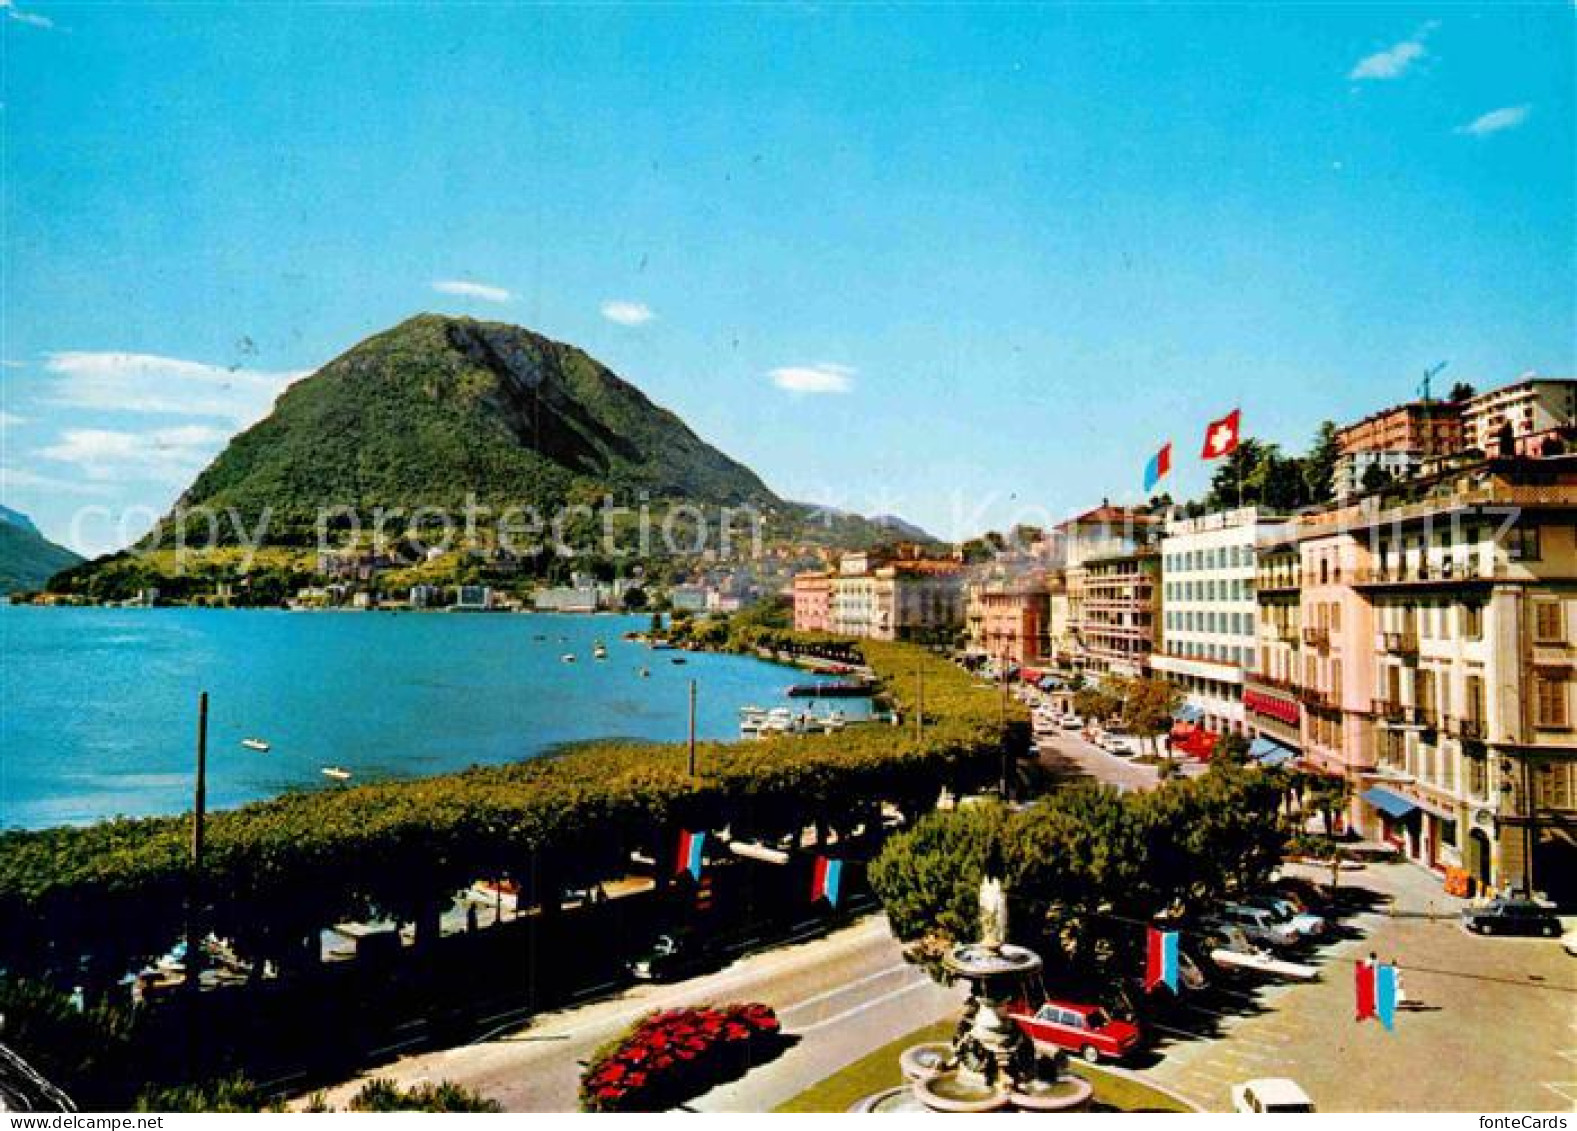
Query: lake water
<point x="98" y="707"/>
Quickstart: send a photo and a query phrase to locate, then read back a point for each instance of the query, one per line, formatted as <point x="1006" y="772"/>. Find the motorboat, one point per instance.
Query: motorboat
<point x="338" y="773"/>
<point x="567" y="657"/>
<point x="255" y="744"/>
<point x="599" y="651"/>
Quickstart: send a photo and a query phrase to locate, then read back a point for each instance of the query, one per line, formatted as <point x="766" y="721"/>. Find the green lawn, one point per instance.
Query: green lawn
<point x="879" y="1070"/>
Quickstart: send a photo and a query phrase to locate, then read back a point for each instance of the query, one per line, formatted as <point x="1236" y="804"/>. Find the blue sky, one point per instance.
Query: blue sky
<point x="998" y="254"/>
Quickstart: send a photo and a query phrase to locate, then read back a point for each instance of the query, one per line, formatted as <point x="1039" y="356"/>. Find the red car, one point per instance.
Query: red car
<point x="1083" y="1029"/>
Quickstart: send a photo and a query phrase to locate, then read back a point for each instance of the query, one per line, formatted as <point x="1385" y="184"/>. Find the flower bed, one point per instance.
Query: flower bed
<point x="675" y="1054"/>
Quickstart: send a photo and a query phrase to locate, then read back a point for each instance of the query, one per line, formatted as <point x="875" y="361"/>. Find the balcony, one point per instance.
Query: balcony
<point x="1388" y="711"/>
<point x="1404" y="643"/>
<point x="1448" y="572"/>
<point x="1469" y="729"/>
<point x="1317" y="637"/>
<point x="1315" y="697"/>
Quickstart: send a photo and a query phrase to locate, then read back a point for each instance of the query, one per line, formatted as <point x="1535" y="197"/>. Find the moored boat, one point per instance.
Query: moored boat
<point x="255" y="744"/>
<point x="338" y="773"/>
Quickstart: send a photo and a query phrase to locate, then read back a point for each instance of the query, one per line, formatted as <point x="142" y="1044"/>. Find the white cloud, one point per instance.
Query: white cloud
<point x="32" y="19"/>
<point x="11" y="419"/>
<point x="823" y="377"/>
<point x="164" y="455"/>
<point x="1393" y="62"/>
<point x="484" y="291"/>
<point x="627" y="313"/>
<point x="21" y="478"/>
<point x="8" y="363"/>
<point x="140" y="382"/>
<point x="1506" y="118"/>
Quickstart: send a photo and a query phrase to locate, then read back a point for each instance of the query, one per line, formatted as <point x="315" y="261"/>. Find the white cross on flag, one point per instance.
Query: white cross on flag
<point x="1221" y="438"/>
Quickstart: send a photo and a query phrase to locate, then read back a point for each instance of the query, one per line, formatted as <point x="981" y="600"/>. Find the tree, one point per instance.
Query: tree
<point x="1098" y="703"/>
<point x="1319" y="466"/>
<point x="634" y="599"/>
<point x="1376" y="478"/>
<point x="1461" y="391"/>
<point x="1149" y="707"/>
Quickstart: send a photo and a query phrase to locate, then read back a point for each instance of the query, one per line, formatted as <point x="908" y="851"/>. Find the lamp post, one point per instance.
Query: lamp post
<point x="691" y="761"/>
<point x="199" y="815"/>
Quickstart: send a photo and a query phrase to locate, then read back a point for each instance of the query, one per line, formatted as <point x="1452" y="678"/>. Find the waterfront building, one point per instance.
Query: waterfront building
<point x="1530" y="414"/>
<point x="687" y="598"/>
<point x="1008" y="617"/>
<point x="1271" y="708"/>
<point x="565" y="599"/>
<point x="1438" y="659"/>
<point x="472" y="598"/>
<point x="1112" y="588"/>
<point x="908" y="597"/>
<point x="1209" y="616"/>
<point x="813" y="601"/>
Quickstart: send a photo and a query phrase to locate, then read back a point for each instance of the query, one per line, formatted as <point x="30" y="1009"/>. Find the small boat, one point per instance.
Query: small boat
<point x="255" y="744"/>
<point x="646" y="673"/>
<point x="844" y="689"/>
<point x="599" y="651"/>
<point x="678" y="660"/>
<point x="338" y="773"/>
<point x="568" y="657"/>
<point x="660" y="646"/>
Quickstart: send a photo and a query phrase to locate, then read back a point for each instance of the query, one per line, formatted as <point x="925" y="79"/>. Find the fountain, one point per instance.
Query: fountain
<point x="990" y="1064"/>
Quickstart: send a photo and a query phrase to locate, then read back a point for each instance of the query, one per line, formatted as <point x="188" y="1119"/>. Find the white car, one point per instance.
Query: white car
<point x="1273" y="1095"/>
<point x="1119" y="742"/>
<point x="1071" y="722"/>
<point x="1569" y="941"/>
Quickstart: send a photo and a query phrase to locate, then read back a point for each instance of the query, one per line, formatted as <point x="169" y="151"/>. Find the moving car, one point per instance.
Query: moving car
<point x="675" y="954"/>
<point x="1512" y="917"/>
<point x="1084" y="1029"/>
<point x="1270" y="1096"/>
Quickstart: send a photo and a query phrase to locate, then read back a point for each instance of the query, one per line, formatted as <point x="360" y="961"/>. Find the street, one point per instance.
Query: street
<point x="1066" y="756"/>
<point x="839" y="996"/>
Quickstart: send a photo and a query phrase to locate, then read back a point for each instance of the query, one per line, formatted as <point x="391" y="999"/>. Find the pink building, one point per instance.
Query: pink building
<point x="813" y="602"/>
<point x="1336" y="685"/>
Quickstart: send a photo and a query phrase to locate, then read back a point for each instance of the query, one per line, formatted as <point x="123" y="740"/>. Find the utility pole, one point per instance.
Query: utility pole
<point x="199" y="814"/>
<point x="692" y="728"/>
<point x="919" y="703"/>
<point x="1002" y="728"/>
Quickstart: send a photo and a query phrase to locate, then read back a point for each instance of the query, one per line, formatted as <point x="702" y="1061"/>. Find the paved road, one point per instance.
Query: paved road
<point x="1069" y="758"/>
<point x="1494" y="1027"/>
<point x="841" y="995"/>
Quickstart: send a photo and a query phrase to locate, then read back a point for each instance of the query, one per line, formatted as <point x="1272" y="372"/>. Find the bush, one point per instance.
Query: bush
<point x="227" y="1094"/>
<point x="673" y="1055"/>
<point x="383" y="1095"/>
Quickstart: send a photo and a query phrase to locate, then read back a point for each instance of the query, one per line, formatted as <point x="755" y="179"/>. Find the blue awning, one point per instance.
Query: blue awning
<point x="1391" y="804"/>
<point x="1188" y="713"/>
<point x="1049" y="683"/>
<point x="1269" y="752"/>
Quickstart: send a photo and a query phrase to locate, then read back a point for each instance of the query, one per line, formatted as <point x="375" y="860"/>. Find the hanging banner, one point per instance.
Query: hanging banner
<point x="689" y="855"/>
<point x="825" y="880"/>
<point x="1160" y="960"/>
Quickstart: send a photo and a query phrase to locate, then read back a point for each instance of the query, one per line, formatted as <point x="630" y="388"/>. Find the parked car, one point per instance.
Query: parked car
<point x="1569" y="941"/>
<point x="1071" y="722"/>
<point x="1308" y="926"/>
<point x="676" y="954"/>
<point x="1084" y="1029"/>
<point x="1270" y="1096"/>
<point x="1116" y="740"/>
<point x="1261" y="926"/>
<point x="1512" y="917"/>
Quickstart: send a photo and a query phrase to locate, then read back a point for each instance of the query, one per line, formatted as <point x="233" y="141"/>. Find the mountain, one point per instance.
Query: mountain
<point x="439" y="409"/>
<point x="27" y="558"/>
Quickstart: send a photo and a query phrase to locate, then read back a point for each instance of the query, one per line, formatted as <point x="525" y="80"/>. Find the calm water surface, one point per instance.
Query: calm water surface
<point x="98" y="707"/>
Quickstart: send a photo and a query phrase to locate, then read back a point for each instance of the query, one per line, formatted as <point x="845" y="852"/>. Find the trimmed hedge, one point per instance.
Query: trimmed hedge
<point x="90" y="903"/>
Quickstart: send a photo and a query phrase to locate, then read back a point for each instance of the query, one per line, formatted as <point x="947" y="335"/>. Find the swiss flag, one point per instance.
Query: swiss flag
<point x="1221" y="438"/>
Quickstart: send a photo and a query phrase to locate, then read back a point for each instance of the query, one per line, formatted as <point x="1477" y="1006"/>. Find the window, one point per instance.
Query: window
<point x="1472" y="618"/>
<point x="1549" y="701"/>
<point x="1547" y="622"/>
<point x="1522" y="544"/>
<point x="1336" y="617"/>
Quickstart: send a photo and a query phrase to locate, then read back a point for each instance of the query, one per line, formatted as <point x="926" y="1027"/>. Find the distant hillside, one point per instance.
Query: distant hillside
<point x="438" y="411"/>
<point x="27" y="558"/>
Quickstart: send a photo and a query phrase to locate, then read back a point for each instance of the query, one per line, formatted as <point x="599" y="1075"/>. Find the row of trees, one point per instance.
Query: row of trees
<point x="1085" y="870"/>
<point x="86" y="905"/>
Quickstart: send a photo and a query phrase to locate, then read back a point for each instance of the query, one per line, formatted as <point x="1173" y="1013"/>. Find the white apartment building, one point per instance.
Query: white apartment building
<point x="1209" y="614"/>
<point x="1347" y="476"/>
<point x="1532" y="409"/>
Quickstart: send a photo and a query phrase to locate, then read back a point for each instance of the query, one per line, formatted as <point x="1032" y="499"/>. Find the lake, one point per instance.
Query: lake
<point x="98" y="707"/>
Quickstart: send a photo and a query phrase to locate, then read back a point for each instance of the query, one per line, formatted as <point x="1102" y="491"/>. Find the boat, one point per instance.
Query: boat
<point x="660" y="646"/>
<point x="599" y="651"/>
<point x="646" y="673"/>
<point x="255" y="744"/>
<point x="568" y="658"/>
<point x="338" y="773"/>
<point x="678" y="660"/>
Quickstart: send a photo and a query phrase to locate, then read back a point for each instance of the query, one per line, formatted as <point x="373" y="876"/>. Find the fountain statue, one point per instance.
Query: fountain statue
<point x="990" y="1064"/>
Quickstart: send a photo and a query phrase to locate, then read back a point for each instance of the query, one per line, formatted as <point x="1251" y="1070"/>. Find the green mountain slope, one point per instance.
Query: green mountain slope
<point x="439" y="408"/>
<point x="27" y="558"/>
